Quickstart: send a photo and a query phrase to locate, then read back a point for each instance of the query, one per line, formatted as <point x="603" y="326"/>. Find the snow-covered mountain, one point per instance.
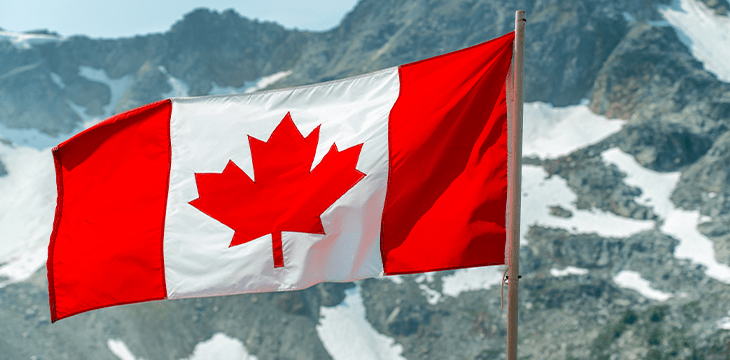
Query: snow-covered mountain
<point x="626" y="211"/>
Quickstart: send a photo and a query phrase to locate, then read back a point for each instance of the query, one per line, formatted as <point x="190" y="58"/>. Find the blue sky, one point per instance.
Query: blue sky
<point x="102" y="18"/>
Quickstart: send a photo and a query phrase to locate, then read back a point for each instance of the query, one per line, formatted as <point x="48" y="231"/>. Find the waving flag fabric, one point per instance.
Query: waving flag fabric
<point x="399" y="171"/>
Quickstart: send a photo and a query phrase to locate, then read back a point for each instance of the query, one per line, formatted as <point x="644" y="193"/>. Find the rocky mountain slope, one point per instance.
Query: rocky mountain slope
<point x="626" y="235"/>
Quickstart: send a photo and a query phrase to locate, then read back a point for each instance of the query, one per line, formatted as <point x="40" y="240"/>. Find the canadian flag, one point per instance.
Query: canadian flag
<point x="399" y="171"/>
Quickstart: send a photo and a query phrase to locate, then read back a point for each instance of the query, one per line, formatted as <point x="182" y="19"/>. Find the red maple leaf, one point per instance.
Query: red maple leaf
<point x="286" y="195"/>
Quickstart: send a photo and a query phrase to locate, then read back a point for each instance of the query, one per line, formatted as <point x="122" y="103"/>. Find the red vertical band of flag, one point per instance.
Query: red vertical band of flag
<point x="106" y="246"/>
<point x="447" y="184"/>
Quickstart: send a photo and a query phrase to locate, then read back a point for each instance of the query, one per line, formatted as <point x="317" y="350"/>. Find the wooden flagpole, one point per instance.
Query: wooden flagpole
<point x="515" y="188"/>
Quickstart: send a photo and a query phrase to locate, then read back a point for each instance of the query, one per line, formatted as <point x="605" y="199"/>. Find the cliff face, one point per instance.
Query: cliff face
<point x="620" y="59"/>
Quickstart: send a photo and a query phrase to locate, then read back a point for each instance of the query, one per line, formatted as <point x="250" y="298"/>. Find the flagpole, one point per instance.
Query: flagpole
<point x="513" y="201"/>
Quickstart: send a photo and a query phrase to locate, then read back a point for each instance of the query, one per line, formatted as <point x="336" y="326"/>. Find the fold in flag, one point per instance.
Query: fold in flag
<point x="399" y="171"/>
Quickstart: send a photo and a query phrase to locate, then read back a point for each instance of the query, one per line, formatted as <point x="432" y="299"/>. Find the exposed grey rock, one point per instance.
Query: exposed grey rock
<point x="652" y="76"/>
<point x="661" y="145"/>
<point x="3" y="171"/>
<point x="151" y="83"/>
<point x="598" y="185"/>
<point x="575" y="317"/>
<point x="224" y="48"/>
<point x="455" y="328"/>
<point x="719" y="232"/>
<point x="589" y="316"/>
<point x="380" y="34"/>
<point x="704" y="183"/>
<point x="720" y="7"/>
<point x="331" y="294"/>
<point x="559" y="211"/>
<point x="89" y="94"/>
<point x="271" y="325"/>
<point x="42" y="32"/>
<point x="532" y="160"/>
<point x="28" y="96"/>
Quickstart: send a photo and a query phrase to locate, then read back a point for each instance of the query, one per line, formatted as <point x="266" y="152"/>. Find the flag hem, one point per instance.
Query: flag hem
<point x="52" y="244"/>
<point x="106" y="306"/>
<point x="167" y="195"/>
<point x="456" y="267"/>
<point x="457" y="51"/>
<point x="390" y="171"/>
<point x="289" y="89"/>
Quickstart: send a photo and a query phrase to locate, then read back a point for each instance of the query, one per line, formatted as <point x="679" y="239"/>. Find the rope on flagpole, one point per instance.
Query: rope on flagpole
<point x="515" y="187"/>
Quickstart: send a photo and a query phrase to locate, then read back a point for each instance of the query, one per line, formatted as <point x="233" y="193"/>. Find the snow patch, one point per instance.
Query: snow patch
<point x="478" y="278"/>
<point x="228" y="90"/>
<point x="397" y="279"/>
<point x="628" y="17"/>
<point x="265" y="81"/>
<point x="539" y="193"/>
<point x="633" y="280"/>
<point x="427" y="277"/>
<point x="706" y="34"/>
<point x="249" y="86"/>
<point x="432" y="296"/>
<point x="120" y="349"/>
<point x="724" y="323"/>
<point x="656" y="187"/>
<point x="25" y="41"/>
<point x="346" y="334"/>
<point x="681" y="224"/>
<point x="27" y="209"/>
<point x="179" y="87"/>
<point x="552" y="132"/>
<point x="570" y="270"/>
<point x="221" y="347"/>
<point x="57" y="80"/>
<point x="31" y="137"/>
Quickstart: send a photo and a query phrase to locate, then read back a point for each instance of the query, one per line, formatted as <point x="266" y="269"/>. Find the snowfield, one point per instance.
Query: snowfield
<point x="704" y="33"/>
<point x="28" y="194"/>
<point x="633" y="280"/>
<point x="249" y="86"/>
<point x="569" y="270"/>
<point x="346" y="334"/>
<point x="550" y="132"/>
